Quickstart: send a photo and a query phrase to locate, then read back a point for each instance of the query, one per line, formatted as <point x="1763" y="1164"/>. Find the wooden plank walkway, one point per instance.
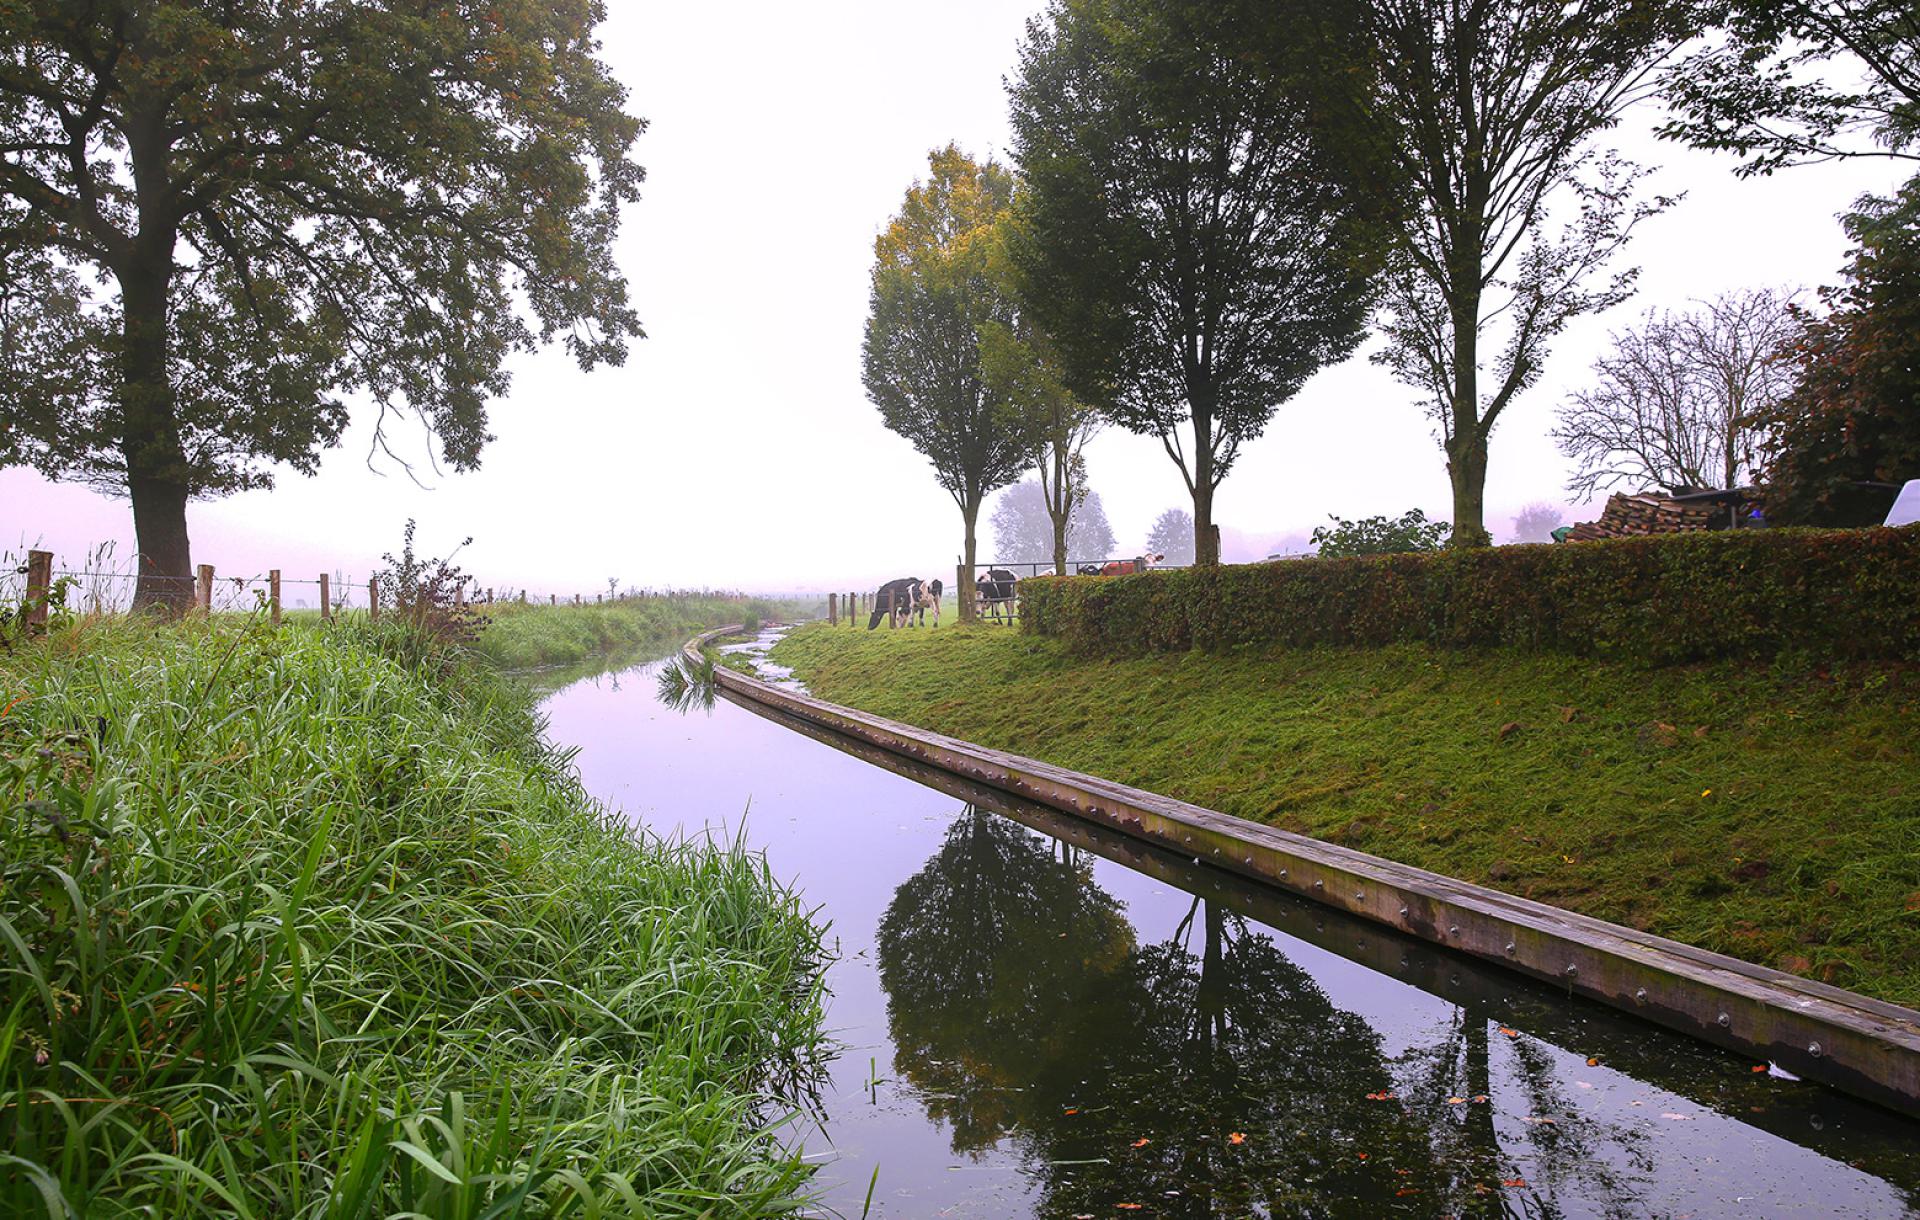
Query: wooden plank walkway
<point x="1853" y="1042"/>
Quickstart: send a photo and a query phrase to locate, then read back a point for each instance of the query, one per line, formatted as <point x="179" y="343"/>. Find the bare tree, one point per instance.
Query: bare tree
<point x="1680" y="398"/>
<point x="1489" y="108"/>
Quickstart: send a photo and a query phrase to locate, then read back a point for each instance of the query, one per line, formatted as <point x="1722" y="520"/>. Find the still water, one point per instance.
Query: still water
<point x="1038" y="1019"/>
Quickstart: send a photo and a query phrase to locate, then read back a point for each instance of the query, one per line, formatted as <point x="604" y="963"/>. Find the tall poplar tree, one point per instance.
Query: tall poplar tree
<point x="934" y="292"/>
<point x="219" y="220"/>
<point x="1188" y="239"/>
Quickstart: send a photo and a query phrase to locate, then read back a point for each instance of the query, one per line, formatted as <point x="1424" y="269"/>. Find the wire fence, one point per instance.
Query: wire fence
<point x="96" y="582"/>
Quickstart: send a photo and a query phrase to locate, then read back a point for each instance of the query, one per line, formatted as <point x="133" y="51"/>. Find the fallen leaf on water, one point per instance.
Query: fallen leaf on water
<point x="1513" y="1181"/>
<point x="1408" y="1190"/>
<point x="1759" y="1067"/>
<point x="1141" y="1143"/>
<point x="1361" y="1155"/>
<point x="1072" y="1110"/>
<point x="1593" y="1062"/>
<point x="1511" y="1033"/>
<point x="1236" y="1137"/>
<point x="1456" y="1101"/>
<point x="1387" y="1095"/>
<point x="1479" y="1099"/>
<point x="1129" y="1207"/>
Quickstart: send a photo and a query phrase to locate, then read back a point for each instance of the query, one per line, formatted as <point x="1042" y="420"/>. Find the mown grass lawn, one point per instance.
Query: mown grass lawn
<point x="1770" y="813"/>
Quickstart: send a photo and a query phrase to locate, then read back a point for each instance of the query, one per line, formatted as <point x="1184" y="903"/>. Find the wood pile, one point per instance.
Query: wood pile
<point x="1632" y="516"/>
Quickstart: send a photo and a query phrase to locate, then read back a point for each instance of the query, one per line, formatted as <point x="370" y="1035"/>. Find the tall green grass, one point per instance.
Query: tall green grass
<point x="289" y="927"/>
<point x="535" y="636"/>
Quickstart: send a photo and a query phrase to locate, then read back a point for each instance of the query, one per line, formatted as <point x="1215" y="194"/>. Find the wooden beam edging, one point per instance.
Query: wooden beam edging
<point x="1853" y="1042"/>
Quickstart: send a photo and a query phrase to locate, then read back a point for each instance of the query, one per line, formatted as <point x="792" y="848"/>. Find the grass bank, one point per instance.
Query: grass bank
<point x="535" y="636"/>
<point x="1773" y="814"/>
<point x="305" y="923"/>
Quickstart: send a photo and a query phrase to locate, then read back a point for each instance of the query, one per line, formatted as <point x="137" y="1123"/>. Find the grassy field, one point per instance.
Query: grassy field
<point x="312" y="922"/>
<point x="535" y="636"/>
<point x="1770" y="814"/>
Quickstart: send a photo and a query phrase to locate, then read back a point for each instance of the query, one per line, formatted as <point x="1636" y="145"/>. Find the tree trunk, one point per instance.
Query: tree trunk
<point x="150" y="442"/>
<point x="1206" y="538"/>
<point x="1060" y="546"/>
<point x="1467" y="469"/>
<point x="970" y="512"/>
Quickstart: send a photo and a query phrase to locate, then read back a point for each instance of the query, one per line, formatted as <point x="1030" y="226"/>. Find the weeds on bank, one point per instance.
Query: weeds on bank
<point x="292" y="925"/>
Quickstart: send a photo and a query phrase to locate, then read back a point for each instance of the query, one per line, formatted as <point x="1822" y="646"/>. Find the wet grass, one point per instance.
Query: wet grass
<point x="291" y="925"/>
<point x="535" y="636"/>
<point x="1769" y="812"/>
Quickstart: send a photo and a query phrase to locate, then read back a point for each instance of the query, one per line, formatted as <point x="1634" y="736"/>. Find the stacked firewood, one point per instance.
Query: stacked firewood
<point x="1631" y="516"/>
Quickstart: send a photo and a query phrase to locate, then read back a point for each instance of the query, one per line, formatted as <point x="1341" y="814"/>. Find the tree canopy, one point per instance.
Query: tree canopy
<point x="1852" y="418"/>
<point x="220" y="221"/>
<point x="1172" y="536"/>
<point x="934" y="290"/>
<point x="1487" y="110"/>
<point x="1799" y="81"/>
<point x="1187" y="239"/>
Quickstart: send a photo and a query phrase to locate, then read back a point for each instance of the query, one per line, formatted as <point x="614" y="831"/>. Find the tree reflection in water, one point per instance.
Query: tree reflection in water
<point x="1205" y="1075"/>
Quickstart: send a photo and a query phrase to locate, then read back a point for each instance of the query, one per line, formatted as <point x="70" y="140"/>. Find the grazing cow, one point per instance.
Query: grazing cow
<point x="929" y="599"/>
<point x="996" y="593"/>
<point x="893" y="600"/>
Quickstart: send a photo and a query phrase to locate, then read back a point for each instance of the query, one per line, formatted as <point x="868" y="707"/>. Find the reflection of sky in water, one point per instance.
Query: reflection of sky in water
<point x="1119" y="1050"/>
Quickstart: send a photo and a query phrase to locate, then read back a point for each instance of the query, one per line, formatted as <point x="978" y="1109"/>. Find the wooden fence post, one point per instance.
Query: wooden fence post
<point x="460" y="595"/>
<point x="273" y="596"/>
<point x="373" y="599"/>
<point x="326" y="600"/>
<point x="39" y="589"/>
<point x="833" y="609"/>
<point x="203" y="589"/>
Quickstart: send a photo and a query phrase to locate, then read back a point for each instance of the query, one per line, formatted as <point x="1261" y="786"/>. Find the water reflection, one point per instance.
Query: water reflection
<point x="1204" y="1073"/>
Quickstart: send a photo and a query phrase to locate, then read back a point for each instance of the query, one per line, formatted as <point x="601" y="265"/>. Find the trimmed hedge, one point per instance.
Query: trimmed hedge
<point x="1836" y="594"/>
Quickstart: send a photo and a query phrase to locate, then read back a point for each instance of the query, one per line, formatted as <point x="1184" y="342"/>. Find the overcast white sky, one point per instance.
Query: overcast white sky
<point x="736" y="448"/>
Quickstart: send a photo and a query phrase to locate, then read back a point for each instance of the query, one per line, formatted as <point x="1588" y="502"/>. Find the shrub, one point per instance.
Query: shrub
<point x="1843" y="594"/>
<point x="1381" y="535"/>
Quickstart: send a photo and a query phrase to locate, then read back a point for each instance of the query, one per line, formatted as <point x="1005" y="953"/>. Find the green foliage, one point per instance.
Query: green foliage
<point x="1854" y="412"/>
<point x="226" y="220"/>
<point x="1186" y="238"/>
<point x="1796" y="82"/>
<point x="1753" y="807"/>
<point x="1380" y="535"/>
<point x="294" y="929"/>
<point x="934" y="290"/>
<point x="1736" y="593"/>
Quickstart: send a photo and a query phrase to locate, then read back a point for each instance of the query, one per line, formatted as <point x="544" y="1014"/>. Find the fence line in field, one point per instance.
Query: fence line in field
<point x="101" y="589"/>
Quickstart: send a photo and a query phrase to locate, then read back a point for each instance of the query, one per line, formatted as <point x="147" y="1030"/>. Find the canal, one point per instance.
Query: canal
<point x="1036" y="1018"/>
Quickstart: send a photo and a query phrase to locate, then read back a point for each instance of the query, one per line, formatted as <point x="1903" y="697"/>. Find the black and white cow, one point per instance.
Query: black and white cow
<point x="894" y="601"/>
<point x="929" y="599"/>
<point x="996" y="593"/>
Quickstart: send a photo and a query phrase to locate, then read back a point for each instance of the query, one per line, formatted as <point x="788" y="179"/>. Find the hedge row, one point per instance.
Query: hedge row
<point x="1833" y="594"/>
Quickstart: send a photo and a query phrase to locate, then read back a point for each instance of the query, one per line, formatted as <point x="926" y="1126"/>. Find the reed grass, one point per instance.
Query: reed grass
<point x="291" y="927"/>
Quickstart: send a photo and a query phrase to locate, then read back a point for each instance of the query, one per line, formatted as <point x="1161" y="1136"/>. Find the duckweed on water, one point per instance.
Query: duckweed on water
<point x="289" y="928"/>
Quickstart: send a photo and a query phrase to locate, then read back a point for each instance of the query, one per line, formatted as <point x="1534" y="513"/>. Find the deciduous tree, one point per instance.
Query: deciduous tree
<point x="933" y="291"/>
<point x="235" y="215"/>
<point x="1023" y="526"/>
<point x="1799" y="81"/>
<point x="1172" y="536"/>
<point x="1683" y="398"/>
<point x="1411" y="531"/>
<point x="1853" y="416"/>
<point x="1489" y="109"/>
<point x="1187" y="242"/>
<point x="1536" y="522"/>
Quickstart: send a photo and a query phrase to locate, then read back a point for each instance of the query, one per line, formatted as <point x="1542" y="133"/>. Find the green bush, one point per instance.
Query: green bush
<point x="1839" y="594"/>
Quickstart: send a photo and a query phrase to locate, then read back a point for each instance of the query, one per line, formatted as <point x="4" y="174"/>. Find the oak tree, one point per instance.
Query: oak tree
<point x="1187" y="241"/>
<point x="239" y="214"/>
